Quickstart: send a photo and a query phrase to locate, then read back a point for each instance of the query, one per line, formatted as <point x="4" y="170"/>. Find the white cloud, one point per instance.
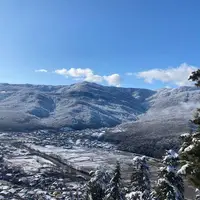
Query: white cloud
<point x="87" y="74"/>
<point x="113" y="79"/>
<point x="41" y="70"/>
<point x="75" y="72"/>
<point x="79" y="72"/>
<point x="61" y="72"/>
<point x="175" y="75"/>
<point x="94" y="78"/>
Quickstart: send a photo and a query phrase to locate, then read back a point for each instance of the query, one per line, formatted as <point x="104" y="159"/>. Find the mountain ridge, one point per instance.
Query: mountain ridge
<point x="79" y="106"/>
<point x="89" y="105"/>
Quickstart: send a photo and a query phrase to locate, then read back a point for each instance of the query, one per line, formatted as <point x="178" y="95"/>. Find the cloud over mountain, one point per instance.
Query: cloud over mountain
<point x="87" y="74"/>
<point x="174" y="75"/>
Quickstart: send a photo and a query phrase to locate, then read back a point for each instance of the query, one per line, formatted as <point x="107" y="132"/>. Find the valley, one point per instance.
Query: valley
<point x="127" y="115"/>
<point x="45" y="165"/>
<point x="52" y="137"/>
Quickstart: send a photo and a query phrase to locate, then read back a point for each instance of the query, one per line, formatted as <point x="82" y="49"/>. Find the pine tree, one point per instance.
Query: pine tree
<point x="190" y="149"/>
<point x="95" y="191"/>
<point x="197" y="194"/>
<point x="195" y="76"/>
<point x="96" y="187"/>
<point x="134" y="196"/>
<point x="170" y="184"/>
<point x="190" y="155"/>
<point x="114" y="191"/>
<point x="140" y="181"/>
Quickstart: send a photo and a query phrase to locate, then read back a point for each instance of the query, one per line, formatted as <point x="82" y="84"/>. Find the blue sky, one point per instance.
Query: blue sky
<point x="131" y="43"/>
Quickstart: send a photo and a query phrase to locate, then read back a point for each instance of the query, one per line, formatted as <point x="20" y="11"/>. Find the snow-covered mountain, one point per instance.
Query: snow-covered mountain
<point x="89" y="105"/>
<point x="79" y="106"/>
<point x="168" y="115"/>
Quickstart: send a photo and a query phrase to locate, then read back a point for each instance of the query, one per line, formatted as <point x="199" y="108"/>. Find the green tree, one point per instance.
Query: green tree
<point x="140" y="179"/>
<point x="195" y="76"/>
<point x="96" y="186"/>
<point x="170" y="184"/>
<point x="190" y="149"/>
<point x="190" y="155"/>
<point x="115" y="191"/>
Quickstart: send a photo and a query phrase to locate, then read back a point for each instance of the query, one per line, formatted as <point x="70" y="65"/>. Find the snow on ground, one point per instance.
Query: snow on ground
<point x="185" y="135"/>
<point x="183" y="169"/>
<point x="117" y="129"/>
<point x="92" y="158"/>
<point x="98" y="134"/>
<point x="20" y="152"/>
<point x="29" y="163"/>
<point x="3" y="134"/>
<point x="189" y="148"/>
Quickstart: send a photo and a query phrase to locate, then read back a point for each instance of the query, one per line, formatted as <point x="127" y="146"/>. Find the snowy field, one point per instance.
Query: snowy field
<point x="91" y="158"/>
<point x="21" y="158"/>
<point x="30" y="164"/>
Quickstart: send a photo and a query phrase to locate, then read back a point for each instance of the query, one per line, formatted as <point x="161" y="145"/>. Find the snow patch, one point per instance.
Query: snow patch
<point x="183" y="169"/>
<point x="189" y="148"/>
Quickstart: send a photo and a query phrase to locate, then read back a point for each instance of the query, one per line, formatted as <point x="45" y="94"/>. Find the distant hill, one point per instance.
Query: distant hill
<point x="78" y="106"/>
<point x="89" y="105"/>
<point x="168" y="115"/>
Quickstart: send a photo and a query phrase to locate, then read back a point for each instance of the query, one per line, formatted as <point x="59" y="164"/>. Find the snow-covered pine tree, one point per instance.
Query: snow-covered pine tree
<point x="134" y="196"/>
<point x="170" y="184"/>
<point x="140" y="179"/>
<point x="190" y="157"/>
<point x="197" y="194"/>
<point x="97" y="185"/>
<point x="114" y="191"/>
<point x="190" y="149"/>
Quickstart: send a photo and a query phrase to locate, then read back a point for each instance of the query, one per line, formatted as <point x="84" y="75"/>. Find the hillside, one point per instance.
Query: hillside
<point x="167" y="116"/>
<point x="88" y="105"/>
<point x="78" y="106"/>
<point x="151" y="120"/>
